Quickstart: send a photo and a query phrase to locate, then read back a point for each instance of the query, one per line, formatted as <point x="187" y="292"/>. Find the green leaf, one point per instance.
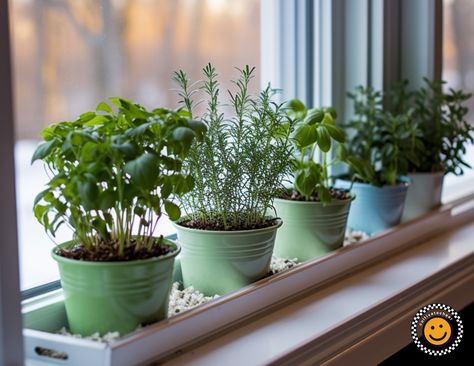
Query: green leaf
<point x="39" y="211"/>
<point x="101" y="227"/>
<point x="143" y="170"/>
<point x="84" y="117"/>
<point x="140" y="130"/>
<point x="183" y="138"/>
<point x="43" y="150"/>
<point x="314" y="116"/>
<point x="305" y="136"/>
<point x="172" y="210"/>
<point x="390" y="175"/>
<point x="296" y="109"/>
<point x="127" y="149"/>
<point x="331" y="111"/>
<point x="324" y="139"/>
<point x="198" y="127"/>
<point x="182" y="184"/>
<point x="306" y="180"/>
<point x="88" y="193"/>
<point x="336" y="133"/>
<point x="97" y="120"/>
<point x="40" y="196"/>
<point x="324" y="195"/>
<point x="166" y="189"/>
<point x="88" y="152"/>
<point x="184" y="135"/>
<point x="328" y="120"/>
<point x="104" y="107"/>
<point x="116" y="101"/>
<point x="107" y="200"/>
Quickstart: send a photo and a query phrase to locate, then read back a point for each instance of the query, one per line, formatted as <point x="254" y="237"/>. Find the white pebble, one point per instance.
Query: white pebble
<point x="355" y="236"/>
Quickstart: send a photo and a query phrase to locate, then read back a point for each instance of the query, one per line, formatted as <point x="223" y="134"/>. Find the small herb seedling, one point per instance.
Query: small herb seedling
<point x="316" y="132"/>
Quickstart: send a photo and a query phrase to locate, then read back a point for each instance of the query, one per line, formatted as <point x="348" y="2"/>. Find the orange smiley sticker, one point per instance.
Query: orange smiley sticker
<point x="437" y="331"/>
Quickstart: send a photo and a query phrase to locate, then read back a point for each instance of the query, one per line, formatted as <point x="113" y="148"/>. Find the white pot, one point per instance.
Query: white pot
<point x="423" y="195"/>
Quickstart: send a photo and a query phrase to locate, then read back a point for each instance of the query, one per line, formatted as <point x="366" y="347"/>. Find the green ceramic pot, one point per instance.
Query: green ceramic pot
<point x="310" y="229"/>
<point x="218" y="262"/>
<point x="115" y="296"/>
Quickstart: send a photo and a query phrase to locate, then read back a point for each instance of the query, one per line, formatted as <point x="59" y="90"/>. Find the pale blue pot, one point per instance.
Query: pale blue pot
<point x="376" y="208"/>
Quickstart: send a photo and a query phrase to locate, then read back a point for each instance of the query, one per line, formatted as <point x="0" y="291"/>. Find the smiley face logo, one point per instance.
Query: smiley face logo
<point x="437" y="331"/>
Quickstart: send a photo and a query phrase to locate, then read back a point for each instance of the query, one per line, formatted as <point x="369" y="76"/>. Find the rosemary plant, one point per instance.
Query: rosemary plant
<point x="115" y="170"/>
<point x="240" y="165"/>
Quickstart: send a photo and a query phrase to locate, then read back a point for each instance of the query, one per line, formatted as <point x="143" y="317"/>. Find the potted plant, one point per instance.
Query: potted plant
<point x="440" y="116"/>
<point x="113" y="173"/>
<point x="314" y="213"/>
<point x="390" y="144"/>
<point x="226" y="236"/>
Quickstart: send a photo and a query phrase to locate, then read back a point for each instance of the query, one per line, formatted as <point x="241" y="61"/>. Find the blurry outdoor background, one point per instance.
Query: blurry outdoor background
<point x="71" y="54"/>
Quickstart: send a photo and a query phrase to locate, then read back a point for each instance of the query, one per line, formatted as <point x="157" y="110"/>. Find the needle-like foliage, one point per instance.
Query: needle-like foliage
<point x="240" y="165"/>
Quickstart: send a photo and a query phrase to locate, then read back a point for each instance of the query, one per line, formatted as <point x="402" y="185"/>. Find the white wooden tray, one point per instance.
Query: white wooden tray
<point x="45" y="316"/>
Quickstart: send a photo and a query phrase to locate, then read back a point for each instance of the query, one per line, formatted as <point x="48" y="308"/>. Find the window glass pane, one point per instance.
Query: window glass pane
<point x="458" y="71"/>
<point x="69" y="55"/>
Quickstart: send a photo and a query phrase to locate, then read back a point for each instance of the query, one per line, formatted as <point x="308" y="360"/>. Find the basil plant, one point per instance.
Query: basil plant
<point x="314" y="135"/>
<point x="114" y="172"/>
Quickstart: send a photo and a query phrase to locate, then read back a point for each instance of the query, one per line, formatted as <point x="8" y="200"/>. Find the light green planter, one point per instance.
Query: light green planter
<point x="115" y="296"/>
<point x="423" y="195"/>
<point x="218" y="262"/>
<point x="310" y="229"/>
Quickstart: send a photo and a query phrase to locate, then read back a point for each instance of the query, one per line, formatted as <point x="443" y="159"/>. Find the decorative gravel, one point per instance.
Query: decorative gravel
<point x="108" y="337"/>
<point x="188" y="298"/>
<point x="185" y="299"/>
<point x="354" y="236"/>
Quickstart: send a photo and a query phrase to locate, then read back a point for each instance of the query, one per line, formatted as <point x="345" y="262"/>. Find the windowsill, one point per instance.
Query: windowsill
<point x="298" y="295"/>
<point x="361" y="319"/>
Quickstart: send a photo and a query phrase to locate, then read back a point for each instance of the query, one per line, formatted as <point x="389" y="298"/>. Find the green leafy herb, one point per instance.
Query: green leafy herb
<point x="440" y="117"/>
<point x="389" y="142"/>
<point x="113" y="171"/>
<point x="315" y="132"/>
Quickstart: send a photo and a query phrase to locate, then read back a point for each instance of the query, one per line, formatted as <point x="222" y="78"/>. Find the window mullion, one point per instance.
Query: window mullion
<point x="421" y="40"/>
<point x="11" y="341"/>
